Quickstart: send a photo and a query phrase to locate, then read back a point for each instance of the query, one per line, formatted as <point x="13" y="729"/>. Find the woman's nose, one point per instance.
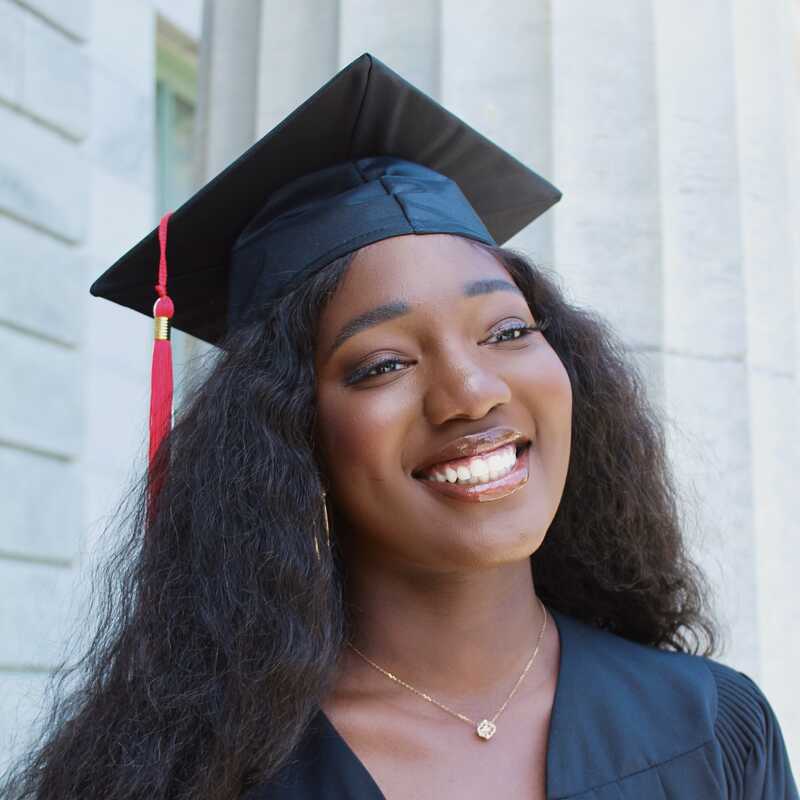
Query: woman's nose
<point x="461" y="387"/>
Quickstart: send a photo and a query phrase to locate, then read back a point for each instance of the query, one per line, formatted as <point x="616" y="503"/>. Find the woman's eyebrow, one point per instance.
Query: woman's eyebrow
<point x="399" y="308"/>
<point x="382" y="313"/>
<point x="487" y="285"/>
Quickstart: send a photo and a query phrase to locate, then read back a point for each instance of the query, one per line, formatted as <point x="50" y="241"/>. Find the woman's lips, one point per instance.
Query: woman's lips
<point x="474" y="445"/>
<point x="492" y="490"/>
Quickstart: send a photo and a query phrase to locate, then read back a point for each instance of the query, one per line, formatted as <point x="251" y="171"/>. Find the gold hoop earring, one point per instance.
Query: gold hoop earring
<point x="325" y="517"/>
<point x="325" y="524"/>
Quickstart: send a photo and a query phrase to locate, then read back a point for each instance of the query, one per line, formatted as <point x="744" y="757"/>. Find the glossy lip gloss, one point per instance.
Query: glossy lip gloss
<point x="492" y="490"/>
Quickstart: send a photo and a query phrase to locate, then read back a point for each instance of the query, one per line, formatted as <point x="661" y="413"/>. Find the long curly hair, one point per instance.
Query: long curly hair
<point x="222" y="613"/>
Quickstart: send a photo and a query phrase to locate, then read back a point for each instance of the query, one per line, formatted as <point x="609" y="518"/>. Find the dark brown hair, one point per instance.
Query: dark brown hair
<point x="220" y="626"/>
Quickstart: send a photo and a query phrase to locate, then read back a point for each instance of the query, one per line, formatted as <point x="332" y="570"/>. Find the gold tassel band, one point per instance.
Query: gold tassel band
<point x="162" y="328"/>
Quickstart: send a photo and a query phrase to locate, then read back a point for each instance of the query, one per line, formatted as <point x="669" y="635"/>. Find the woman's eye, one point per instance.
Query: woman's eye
<point x="388" y="365"/>
<point x="374" y="370"/>
<point x="515" y="332"/>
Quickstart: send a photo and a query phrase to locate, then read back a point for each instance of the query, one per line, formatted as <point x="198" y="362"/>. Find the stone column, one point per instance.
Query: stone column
<point x="229" y="68"/>
<point x="766" y="108"/>
<point x="605" y="134"/>
<point x="298" y="53"/>
<point x="704" y="303"/>
<point x="496" y="75"/>
<point x="405" y="36"/>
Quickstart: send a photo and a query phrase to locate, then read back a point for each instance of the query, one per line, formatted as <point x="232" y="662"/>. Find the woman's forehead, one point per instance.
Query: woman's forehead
<point x="415" y="268"/>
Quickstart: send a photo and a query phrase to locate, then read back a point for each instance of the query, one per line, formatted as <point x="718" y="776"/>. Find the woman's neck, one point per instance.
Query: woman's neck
<point x="459" y="635"/>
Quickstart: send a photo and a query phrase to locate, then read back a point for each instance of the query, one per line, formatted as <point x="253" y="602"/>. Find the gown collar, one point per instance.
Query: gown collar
<point x="620" y="708"/>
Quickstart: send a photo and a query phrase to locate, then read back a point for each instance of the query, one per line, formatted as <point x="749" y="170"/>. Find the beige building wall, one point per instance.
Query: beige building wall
<point x="671" y="127"/>
<point x="77" y="188"/>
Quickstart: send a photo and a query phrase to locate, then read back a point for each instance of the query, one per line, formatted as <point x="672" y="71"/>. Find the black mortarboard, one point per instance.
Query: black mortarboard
<point x="367" y="157"/>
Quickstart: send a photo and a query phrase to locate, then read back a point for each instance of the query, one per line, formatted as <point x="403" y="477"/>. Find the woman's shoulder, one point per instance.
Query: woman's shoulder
<point x="749" y="735"/>
<point x="653" y="681"/>
<point x="724" y="697"/>
<point x="675" y="703"/>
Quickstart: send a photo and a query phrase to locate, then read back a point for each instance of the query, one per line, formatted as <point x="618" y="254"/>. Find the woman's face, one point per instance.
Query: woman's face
<point x="423" y="366"/>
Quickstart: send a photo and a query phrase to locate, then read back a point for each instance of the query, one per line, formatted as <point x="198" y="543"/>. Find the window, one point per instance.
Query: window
<point x="176" y="98"/>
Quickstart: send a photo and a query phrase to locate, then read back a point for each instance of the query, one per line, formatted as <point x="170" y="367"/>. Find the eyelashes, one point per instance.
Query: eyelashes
<point x="388" y="365"/>
<point x="524" y="329"/>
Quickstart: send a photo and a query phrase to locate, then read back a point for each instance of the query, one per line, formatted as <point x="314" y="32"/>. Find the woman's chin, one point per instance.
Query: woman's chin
<point x="483" y="547"/>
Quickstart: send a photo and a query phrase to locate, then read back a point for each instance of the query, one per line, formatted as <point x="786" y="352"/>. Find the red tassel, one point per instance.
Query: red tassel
<point x="161" y="373"/>
<point x="160" y="388"/>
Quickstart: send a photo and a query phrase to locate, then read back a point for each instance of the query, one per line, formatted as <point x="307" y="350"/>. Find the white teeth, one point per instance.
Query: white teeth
<point x="480" y="469"/>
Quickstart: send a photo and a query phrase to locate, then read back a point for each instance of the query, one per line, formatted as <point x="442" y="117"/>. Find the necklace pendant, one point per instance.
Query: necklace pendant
<point x="486" y="729"/>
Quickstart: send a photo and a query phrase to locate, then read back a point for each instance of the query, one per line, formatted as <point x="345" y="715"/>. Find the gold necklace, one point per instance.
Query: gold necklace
<point x="486" y="727"/>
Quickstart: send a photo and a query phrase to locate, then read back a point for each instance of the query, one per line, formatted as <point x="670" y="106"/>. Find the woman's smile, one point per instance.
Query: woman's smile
<point x="481" y="466"/>
<point x="492" y="477"/>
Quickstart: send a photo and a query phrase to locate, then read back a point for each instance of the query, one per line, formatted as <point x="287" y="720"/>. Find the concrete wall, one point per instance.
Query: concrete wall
<point x="45" y="207"/>
<point x="77" y="83"/>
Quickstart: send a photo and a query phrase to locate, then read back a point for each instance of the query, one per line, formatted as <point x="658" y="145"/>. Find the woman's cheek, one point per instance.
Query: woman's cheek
<point x="547" y="383"/>
<point x="357" y="430"/>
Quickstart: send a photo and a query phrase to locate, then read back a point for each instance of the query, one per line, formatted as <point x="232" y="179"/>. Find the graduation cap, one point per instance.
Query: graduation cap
<point x="365" y="158"/>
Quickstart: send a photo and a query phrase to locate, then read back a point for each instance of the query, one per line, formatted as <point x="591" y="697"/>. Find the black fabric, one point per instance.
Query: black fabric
<point x="336" y="211"/>
<point x="629" y="722"/>
<point x="363" y="113"/>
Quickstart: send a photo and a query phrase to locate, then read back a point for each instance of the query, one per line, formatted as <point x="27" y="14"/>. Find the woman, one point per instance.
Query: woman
<point x="415" y="534"/>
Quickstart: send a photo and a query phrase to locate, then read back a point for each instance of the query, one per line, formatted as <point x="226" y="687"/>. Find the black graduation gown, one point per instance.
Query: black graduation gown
<point x="629" y="722"/>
